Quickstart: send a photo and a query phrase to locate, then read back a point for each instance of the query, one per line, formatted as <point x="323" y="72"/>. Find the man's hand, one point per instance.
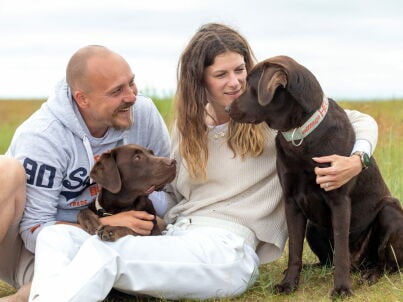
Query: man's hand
<point x="161" y="223"/>
<point x="342" y="169"/>
<point x="140" y="222"/>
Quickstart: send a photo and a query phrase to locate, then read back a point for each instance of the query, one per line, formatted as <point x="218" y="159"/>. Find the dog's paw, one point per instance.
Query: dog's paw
<point x="92" y="230"/>
<point x="113" y="233"/>
<point x="88" y="221"/>
<point x="284" y="288"/>
<point x="341" y="292"/>
<point x="107" y="233"/>
<point x="371" y="276"/>
<point x="89" y="226"/>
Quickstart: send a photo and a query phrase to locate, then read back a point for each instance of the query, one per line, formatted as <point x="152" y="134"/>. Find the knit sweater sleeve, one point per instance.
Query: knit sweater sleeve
<point x="173" y="196"/>
<point x="366" y="131"/>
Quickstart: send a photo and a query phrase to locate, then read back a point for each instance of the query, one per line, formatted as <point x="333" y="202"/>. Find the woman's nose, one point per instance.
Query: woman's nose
<point x="234" y="80"/>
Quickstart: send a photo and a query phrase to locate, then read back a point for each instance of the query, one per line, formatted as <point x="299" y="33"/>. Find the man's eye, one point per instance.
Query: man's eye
<point x="117" y="91"/>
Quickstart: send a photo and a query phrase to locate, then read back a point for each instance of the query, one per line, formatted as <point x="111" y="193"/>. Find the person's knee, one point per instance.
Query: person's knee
<point x="53" y="231"/>
<point x="15" y="182"/>
<point x="244" y="281"/>
<point x="18" y="172"/>
<point x="61" y="235"/>
<point x="10" y="164"/>
<point x="12" y="193"/>
<point x="14" y="174"/>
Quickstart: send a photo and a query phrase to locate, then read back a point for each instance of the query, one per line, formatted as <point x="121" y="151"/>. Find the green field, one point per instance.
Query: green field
<point x="315" y="284"/>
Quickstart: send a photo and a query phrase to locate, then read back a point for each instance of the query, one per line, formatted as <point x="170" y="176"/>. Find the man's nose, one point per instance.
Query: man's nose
<point x="130" y="95"/>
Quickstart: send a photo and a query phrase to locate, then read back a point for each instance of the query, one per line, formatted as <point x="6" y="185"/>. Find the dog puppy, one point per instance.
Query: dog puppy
<point x="126" y="176"/>
<point x="355" y="226"/>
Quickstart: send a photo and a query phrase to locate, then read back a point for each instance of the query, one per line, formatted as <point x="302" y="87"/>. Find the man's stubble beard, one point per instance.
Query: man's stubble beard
<point x="116" y="126"/>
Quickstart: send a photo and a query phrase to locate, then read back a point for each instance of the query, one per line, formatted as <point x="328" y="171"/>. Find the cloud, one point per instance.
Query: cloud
<point x="354" y="47"/>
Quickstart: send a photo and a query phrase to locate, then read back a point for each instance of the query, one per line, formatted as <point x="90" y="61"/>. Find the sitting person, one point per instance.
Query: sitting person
<point x="226" y="215"/>
<point x="96" y="109"/>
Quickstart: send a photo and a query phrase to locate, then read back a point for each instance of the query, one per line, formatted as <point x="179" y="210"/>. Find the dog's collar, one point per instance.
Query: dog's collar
<point x="100" y="210"/>
<point x="310" y="125"/>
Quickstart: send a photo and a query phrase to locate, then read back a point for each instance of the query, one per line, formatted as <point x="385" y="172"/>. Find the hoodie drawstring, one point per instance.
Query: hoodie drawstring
<point x="90" y="155"/>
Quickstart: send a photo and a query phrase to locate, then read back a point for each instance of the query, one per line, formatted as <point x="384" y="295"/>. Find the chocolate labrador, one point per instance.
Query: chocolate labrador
<point x="359" y="225"/>
<point x="126" y="176"/>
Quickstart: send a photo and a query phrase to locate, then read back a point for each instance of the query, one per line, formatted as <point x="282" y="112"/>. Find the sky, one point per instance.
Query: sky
<point x="353" y="47"/>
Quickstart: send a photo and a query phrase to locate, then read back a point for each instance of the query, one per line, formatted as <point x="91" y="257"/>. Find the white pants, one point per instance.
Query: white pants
<point x="187" y="262"/>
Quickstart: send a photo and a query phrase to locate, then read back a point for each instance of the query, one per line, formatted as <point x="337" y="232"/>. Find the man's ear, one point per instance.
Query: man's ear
<point x="80" y="98"/>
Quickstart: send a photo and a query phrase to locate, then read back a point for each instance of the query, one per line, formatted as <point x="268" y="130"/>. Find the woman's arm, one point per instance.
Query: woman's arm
<point x="342" y="168"/>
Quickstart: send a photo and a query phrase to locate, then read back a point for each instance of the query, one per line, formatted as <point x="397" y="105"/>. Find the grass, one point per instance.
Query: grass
<point x="315" y="283"/>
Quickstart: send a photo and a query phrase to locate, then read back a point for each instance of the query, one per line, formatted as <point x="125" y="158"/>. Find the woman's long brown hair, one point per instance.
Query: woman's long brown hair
<point x="191" y="98"/>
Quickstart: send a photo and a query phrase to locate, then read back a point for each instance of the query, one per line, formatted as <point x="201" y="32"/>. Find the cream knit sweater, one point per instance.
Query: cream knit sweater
<point x="245" y="191"/>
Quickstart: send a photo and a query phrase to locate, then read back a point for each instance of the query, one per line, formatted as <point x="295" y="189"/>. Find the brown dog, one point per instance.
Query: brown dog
<point x="359" y="225"/>
<point x="126" y="175"/>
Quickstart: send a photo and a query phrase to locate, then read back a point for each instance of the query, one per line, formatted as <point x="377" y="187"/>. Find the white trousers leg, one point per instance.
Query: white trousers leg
<point x="197" y="263"/>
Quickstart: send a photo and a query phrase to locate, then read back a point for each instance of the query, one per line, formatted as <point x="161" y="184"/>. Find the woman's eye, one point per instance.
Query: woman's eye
<point x="137" y="157"/>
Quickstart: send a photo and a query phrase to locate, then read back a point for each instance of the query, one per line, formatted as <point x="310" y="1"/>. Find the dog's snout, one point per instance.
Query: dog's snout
<point x="169" y="161"/>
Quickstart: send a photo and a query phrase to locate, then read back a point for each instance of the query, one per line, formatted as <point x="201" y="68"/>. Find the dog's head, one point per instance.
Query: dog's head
<point x="279" y="91"/>
<point x="132" y="169"/>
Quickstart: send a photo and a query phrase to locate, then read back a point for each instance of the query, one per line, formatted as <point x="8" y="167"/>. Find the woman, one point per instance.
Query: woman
<point x="226" y="216"/>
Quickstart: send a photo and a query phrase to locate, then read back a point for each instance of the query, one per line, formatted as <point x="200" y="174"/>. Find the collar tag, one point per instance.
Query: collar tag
<point x="310" y="125"/>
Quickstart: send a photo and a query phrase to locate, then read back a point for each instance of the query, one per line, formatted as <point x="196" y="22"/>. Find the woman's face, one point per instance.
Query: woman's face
<point x="225" y="79"/>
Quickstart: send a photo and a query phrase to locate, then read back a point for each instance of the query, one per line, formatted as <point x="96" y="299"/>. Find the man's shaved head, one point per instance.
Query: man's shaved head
<point x="77" y="68"/>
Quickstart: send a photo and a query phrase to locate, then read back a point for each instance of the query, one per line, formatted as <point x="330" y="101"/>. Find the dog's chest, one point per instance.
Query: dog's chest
<point x="315" y="208"/>
<point x="300" y="186"/>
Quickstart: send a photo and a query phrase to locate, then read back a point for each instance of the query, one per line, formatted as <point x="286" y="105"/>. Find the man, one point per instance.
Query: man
<point x="94" y="110"/>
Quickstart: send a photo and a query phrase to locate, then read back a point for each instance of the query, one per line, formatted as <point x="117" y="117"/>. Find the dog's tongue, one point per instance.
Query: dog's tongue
<point x="150" y="190"/>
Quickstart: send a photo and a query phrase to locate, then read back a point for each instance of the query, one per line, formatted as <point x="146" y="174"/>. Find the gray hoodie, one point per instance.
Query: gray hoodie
<point x="58" y="151"/>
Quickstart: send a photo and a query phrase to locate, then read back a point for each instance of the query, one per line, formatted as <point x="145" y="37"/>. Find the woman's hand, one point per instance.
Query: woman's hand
<point x="342" y="169"/>
<point x="140" y="222"/>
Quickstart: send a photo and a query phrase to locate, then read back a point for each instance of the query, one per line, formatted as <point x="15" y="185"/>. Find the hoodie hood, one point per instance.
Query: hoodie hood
<point x="65" y="110"/>
<point x="61" y="104"/>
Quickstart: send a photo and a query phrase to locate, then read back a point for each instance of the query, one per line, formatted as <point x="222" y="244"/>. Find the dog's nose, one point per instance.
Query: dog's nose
<point x="228" y="108"/>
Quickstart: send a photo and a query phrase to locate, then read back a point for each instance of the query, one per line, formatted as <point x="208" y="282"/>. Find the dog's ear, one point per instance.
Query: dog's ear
<point x="302" y="84"/>
<point x="106" y="174"/>
<point x="268" y="83"/>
